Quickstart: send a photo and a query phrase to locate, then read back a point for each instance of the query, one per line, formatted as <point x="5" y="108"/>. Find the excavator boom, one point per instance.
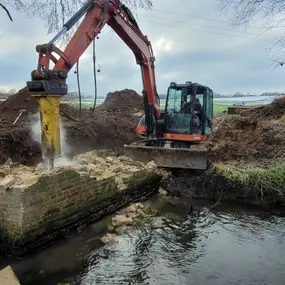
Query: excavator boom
<point x="48" y="84"/>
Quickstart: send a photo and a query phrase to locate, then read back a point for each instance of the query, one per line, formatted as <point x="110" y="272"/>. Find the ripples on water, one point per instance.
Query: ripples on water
<point x="206" y="247"/>
<point x="213" y="248"/>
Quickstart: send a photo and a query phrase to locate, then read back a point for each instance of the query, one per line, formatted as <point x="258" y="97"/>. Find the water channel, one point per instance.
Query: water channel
<point x="208" y="246"/>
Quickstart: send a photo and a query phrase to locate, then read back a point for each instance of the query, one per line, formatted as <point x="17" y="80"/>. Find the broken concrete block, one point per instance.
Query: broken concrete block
<point x="109" y="238"/>
<point x="7" y="182"/>
<point x="120" y="230"/>
<point x="121" y="220"/>
<point x="7" y="277"/>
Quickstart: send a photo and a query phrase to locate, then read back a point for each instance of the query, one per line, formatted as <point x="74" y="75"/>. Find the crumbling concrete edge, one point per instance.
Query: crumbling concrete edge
<point x="142" y="185"/>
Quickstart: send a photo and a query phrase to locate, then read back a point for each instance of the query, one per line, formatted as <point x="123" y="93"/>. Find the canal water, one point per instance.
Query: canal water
<point x="200" y="246"/>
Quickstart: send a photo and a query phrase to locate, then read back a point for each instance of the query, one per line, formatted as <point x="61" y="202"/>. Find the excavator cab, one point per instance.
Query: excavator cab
<point x="183" y="127"/>
<point x="188" y="112"/>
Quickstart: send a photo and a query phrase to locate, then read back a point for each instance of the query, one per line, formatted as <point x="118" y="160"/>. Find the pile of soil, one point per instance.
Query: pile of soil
<point x="275" y="110"/>
<point x="22" y="100"/>
<point x="122" y="101"/>
<point x="258" y="134"/>
<point x="17" y="144"/>
<point x="110" y="127"/>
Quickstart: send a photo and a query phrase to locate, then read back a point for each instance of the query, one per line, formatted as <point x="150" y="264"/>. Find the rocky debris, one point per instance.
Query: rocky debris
<point x="109" y="238"/>
<point x="161" y="191"/>
<point x="98" y="165"/>
<point x="120" y="220"/>
<point x="129" y="217"/>
<point x="7" y="277"/>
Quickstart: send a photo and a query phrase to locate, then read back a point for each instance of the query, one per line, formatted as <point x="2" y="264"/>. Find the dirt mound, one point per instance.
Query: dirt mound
<point x="246" y="138"/>
<point x="122" y="101"/>
<point x="9" y="109"/>
<point x="16" y="143"/>
<point x="275" y="110"/>
<point x="111" y="126"/>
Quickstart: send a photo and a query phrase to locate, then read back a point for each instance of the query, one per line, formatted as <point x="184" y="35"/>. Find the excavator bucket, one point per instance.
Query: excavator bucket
<point x="194" y="157"/>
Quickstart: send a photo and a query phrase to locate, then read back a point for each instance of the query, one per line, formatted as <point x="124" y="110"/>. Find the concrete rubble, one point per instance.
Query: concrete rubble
<point x="7" y="277"/>
<point x="36" y="201"/>
<point x="95" y="163"/>
<point x="127" y="218"/>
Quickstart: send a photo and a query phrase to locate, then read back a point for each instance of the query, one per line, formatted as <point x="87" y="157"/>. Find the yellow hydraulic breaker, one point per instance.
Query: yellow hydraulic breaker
<point x="50" y="126"/>
<point x="48" y="88"/>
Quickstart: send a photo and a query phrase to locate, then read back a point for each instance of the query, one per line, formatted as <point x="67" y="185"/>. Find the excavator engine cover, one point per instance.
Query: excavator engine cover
<point x="192" y="157"/>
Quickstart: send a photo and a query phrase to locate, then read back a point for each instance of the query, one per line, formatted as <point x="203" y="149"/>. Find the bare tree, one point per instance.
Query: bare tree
<point x="6" y="10"/>
<point x="56" y="12"/>
<point x="270" y="12"/>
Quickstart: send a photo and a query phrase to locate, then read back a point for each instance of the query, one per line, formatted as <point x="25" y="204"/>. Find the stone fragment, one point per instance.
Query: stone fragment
<point x="120" y="230"/>
<point x="162" y="191"/>
<point x="140" y="205"/>
<point x="7" y="182"/>
<point x="7" y="277"/>
<point x="133" y="215"/>
<point x="110" y="228"/>
<point x="132" y="208"/>
<point x="109" y="238"/>
<point x="151" y="165"/>
<point x="109" y="159"/>
<point x="121" y="220"/>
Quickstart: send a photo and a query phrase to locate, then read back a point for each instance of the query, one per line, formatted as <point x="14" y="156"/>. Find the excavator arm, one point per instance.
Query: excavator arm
<point x="48" y="85"/>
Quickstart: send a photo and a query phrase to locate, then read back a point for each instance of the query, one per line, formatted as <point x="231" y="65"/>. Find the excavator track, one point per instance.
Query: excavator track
<point x="193" y="157"/>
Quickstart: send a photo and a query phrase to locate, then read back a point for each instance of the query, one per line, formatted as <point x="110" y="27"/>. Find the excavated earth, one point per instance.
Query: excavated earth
<point x="253" y="142"/>
<point x="110" y="127"/>
<point x="255" y="138"/>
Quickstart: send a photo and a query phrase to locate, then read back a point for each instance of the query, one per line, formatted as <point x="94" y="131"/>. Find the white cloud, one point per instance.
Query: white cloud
<point x="191" y="41"/>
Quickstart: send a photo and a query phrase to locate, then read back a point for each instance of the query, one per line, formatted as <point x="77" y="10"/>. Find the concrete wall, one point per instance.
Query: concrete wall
<point x="33" y="215"/>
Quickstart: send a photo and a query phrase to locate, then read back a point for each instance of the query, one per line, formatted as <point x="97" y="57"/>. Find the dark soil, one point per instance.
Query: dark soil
<point x="9" y="109"/>
<point x="16" y="144"/>
<point x="111" y="126"/>
<point x="210" y="186"/>
<point x="255" y="138"/>
<point x="255" y="135"/>
<point x="275" y="110"/>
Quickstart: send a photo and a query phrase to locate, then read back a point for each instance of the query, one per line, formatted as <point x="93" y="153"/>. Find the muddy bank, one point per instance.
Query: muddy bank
<point x="111" y="126"/>
<point x="247" y="160"/>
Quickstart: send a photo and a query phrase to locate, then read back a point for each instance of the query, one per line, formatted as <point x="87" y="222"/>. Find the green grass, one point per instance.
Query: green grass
<point x="219" y="108"/>
<point x="254" y="179"/>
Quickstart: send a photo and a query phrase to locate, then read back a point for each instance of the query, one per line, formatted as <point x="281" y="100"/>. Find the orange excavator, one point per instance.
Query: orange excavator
<point x="173" y="137"/>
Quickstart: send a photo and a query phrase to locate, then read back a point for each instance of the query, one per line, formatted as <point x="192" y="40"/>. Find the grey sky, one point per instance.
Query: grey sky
<point x="190" y="39"/>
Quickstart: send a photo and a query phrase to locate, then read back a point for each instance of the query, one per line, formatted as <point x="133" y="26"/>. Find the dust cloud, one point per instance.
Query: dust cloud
<point x="36" y="135"/>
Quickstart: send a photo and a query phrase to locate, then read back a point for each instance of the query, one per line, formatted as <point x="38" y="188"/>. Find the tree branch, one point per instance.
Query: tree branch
<point x="8" y="13"/>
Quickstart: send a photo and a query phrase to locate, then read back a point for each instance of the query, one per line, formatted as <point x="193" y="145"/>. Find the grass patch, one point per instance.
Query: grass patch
<point x="219" y="108"/>
<point x="254" y="179"/>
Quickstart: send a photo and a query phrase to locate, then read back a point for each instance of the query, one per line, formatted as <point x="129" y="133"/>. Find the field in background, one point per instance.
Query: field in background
<point x="220" y="104"/>
<point x="219" y="107"/>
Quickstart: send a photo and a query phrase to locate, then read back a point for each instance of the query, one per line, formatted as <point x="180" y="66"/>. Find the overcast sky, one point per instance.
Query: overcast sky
<point x="191" y="41"/>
